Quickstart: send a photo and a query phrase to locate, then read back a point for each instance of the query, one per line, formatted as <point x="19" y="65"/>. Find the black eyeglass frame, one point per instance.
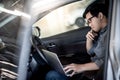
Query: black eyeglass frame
<point x="89" y="20"/>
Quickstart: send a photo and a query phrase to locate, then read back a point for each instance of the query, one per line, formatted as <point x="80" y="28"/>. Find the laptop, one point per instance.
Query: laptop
<point x="53" y="60"/>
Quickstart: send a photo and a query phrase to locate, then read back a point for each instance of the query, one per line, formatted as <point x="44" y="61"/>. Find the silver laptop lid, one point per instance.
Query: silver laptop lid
<point x="53" y="61"/>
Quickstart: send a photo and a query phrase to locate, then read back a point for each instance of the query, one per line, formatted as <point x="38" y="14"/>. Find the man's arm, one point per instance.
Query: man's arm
<point x="90" y="66"/>
<point x="79" y="68"/>
<point x="89" y="44"/>
<point x="90" y="37"/>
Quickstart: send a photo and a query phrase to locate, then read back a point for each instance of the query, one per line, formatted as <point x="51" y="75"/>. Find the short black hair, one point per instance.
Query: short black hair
<point x="95" y="8"/>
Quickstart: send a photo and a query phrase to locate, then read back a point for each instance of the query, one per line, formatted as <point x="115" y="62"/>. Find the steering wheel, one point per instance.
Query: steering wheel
<point x="37" y="50"/>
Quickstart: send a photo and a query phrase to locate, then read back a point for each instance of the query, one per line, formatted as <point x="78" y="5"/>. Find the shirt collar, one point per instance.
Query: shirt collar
<point x="103" y="30"/>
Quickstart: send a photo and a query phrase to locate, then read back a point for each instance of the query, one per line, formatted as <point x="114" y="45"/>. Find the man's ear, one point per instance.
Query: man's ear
<point x="100" y="15"/>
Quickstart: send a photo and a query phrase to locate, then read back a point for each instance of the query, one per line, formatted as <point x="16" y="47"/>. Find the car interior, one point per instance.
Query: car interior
<point x="70" y="47"/>
<point x="69" y="43"/>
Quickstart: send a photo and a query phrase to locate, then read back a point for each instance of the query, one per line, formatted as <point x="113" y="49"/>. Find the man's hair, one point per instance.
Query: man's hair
<point x="95" y="8"/>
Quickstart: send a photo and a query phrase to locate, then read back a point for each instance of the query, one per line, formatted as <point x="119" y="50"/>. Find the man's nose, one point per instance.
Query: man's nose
<point x="89" y="24"/>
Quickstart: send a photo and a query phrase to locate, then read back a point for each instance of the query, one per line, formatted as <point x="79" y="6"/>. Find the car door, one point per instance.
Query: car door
<point x="113" y="58"/>
<point x="69" y="46"/>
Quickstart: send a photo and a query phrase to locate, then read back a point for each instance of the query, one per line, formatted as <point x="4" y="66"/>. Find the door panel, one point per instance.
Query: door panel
<point x="69" y="46"/>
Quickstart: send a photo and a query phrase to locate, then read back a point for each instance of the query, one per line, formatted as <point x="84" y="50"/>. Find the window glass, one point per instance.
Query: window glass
<point x="63" y="19"/>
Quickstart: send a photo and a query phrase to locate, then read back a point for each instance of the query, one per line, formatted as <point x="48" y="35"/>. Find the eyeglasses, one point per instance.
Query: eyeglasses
<point x="89" y="20"/>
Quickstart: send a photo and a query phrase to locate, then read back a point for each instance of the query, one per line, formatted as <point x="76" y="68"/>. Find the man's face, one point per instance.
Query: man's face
<point x="93" y="22"/>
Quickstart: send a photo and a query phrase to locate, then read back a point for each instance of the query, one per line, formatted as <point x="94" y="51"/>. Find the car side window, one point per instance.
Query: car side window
<point x="63" y="19"/>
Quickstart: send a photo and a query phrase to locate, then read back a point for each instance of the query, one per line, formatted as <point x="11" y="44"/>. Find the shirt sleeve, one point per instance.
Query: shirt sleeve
<point x="99" y="51"/>
<point x="91" y="51"/>
<point x="98" y="61"/>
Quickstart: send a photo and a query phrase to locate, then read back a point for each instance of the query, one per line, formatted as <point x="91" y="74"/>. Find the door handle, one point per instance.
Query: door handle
<point x="51" y="45"/>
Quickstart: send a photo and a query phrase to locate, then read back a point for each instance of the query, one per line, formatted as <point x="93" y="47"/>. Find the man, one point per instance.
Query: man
<point x="96" y="16"/>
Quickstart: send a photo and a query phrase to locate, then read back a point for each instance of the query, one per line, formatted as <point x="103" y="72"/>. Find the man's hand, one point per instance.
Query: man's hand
<point x="91" y="35"/>
<point x="73" y="69"/>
